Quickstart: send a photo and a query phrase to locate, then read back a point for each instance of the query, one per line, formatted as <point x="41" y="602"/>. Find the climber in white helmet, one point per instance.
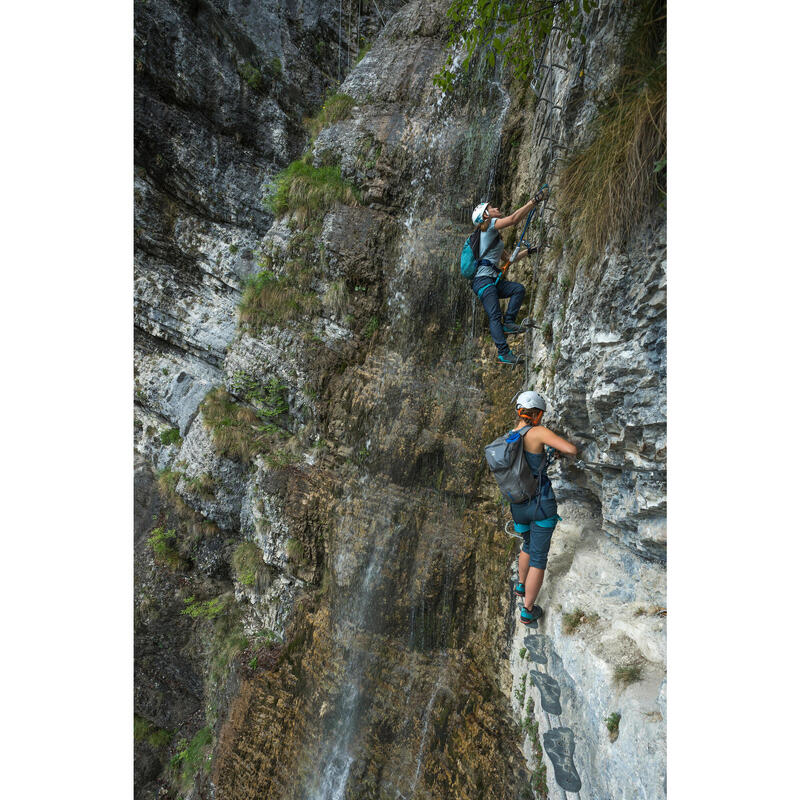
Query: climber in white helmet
<point x="489" y="282"/>
<point x="535" y="519"/>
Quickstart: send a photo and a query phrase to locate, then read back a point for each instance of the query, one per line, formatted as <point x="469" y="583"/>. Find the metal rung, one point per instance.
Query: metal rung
<point x="558" y="66"/>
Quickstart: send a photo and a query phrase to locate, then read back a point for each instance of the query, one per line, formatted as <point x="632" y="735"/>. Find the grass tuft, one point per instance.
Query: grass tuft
<point x="304" y="190"/>
<point x="627" y="674"/>
<point x="612" y="723"/>
<point x="237" y="430"/>
<point x="247" y="560"/>
<point x="572" y="621"/>
<point x="609" y="185"/>
<point x="268" y="299"/>
<point x="336" y="108"/>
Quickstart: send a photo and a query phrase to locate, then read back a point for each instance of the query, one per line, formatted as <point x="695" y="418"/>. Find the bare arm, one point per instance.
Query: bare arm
<point x="546" y="436"/>
<point x="513" y="219"/>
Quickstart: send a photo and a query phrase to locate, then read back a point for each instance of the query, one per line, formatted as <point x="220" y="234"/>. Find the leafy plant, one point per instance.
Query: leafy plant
<point x="612" y="723"/>
<point x="523" y="653"/>
<point x="247" y="560"/>
<point x="163" y="542"/>
<point x="171" y="436"/>
<point x="514" y="32"/>
<point x="193" y="756"/>
<point x="204" y="609"/>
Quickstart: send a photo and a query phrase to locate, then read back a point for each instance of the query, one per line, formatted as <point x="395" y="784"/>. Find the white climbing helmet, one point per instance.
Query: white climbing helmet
<point x="531" y="400"/>
<point x="477" y="213"/>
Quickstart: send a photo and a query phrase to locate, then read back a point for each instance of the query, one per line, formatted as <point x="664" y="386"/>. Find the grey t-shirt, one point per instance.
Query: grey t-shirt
<point x="492" y="248"/>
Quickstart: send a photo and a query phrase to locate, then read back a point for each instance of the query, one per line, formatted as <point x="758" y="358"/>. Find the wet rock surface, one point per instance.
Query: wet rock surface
<point x="334" y="605"/>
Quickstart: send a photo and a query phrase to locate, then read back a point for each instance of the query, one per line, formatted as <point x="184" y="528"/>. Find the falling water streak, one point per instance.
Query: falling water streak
<point x="498" y="136"/>
<point x="338" y="759"/>
<point x="426" y="722"/>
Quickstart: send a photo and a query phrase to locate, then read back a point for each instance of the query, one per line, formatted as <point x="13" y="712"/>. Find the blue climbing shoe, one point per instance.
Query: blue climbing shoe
<point x="519" y="590"/>
<point x="509" y="358"/>
<point x="526" y="617"/>
<point x="512" y="327"/>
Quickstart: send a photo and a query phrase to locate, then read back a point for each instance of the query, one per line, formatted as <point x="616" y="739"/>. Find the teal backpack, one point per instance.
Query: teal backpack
<point x="469" y="254"/>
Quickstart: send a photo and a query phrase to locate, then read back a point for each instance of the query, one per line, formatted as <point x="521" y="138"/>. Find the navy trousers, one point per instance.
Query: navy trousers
<point x="490" y="297"/>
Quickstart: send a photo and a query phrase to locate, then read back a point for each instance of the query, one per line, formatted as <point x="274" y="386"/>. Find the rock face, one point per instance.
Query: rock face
<point x="323" y="604"/>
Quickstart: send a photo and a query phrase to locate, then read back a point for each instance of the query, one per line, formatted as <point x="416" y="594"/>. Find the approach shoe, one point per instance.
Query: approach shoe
<point x="526" y="617"/>
<point x="509" y="358"/>
<point x="512" y="327"/>
<point x="519" y="590"/>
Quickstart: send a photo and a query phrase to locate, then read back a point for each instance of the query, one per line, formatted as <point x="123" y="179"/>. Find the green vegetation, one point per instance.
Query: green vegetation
<point x="191" y="757"/>
<point x="523" y="653"/>
<point x="513" y="32"/>
<point x="627" y="674"/>
<point x="304" y="190"/>
<point x="253" y="662"/>
<point x="237" y="430"/>
<point x="612" y="723"/>
<point x="335" y="108"/>
<point x="520" y="692"/>
<point x="269" y="299"/>
<point x="165" y="553"/>
<point x="576" y="618"/>
<point x="251" y="75"/>
<point x="233" y="249"/>
<point x="370" y="328"/>
<point x="204" y="609"/>
<point x="294" y="551"/>
<point x="203" y="485"/>
<point x="247" y="560"/>
<point x="607" y="187"/>
<point x="269" y="399"/>
<point x="145" y="731"/>
<point x="280" y="459"/>
<point x="171" y="436"/>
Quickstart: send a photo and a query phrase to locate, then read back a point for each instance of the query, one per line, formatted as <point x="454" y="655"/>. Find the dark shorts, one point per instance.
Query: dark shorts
<point x="536" y="527"/>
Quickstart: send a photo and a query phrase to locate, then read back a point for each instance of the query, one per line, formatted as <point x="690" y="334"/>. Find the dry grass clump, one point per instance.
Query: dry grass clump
<point x="237" y="430"/>
<point x="607" y="187"/>
<point x="271" y="300"/>
<point x="627" y="674"/>
<point x="336" y="298"/>
<point x="572" y="621"/>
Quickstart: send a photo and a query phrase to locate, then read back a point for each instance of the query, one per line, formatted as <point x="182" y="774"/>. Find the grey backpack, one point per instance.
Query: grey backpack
<point x="506" y="459"/>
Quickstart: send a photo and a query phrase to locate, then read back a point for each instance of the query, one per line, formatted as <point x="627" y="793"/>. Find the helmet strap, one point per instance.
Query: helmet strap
<point x="534" y="420"/>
